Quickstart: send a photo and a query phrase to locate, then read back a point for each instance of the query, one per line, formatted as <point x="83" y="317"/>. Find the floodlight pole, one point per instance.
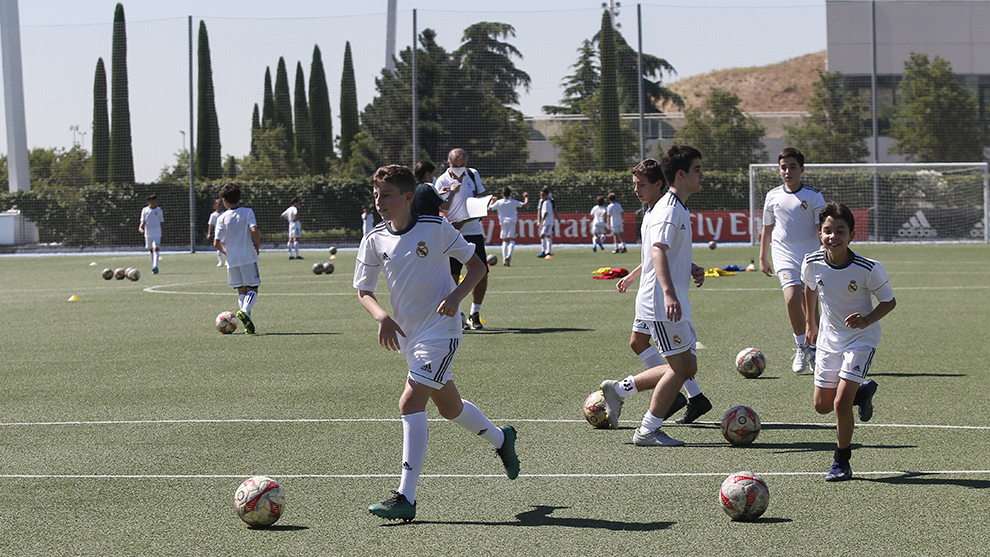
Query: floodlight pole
<point x="639" y="82"/>
<point x="192" y="141"/>
<point x="415" y="97"/>
<point x="876" y="127"/>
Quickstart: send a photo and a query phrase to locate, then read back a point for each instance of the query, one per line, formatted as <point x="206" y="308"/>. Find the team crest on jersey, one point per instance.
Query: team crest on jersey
<point x="677" y="339"/>
<point x="804" y="205"/>
<point x="784" y="275"/>
<point x="422" y="250"/>
<point x="852" y="286"/>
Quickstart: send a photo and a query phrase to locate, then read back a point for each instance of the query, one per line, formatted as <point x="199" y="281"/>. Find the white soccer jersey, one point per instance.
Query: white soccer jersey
<point x="234" y="231"/>
<point x="794" y="216"/>
<point x="668" y="223"/>
<point x="507" y="208"/>
<point x="367" y="223"/>
<point x="598" y="214"/>
<point x="471" y="186"/>
<point x="844" y="291"/>
<point x="545" y="210"/>
<point x="614" y="212"/>
<point x="416" y="266"/>
<point x="213" y="218"/>
<point x="152" y="219"/>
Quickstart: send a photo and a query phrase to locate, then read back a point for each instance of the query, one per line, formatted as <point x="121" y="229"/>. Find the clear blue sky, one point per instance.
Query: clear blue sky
<point x="246" y="36"/>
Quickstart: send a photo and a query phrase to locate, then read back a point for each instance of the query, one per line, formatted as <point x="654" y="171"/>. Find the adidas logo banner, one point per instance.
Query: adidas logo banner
<point x="917" y="226"/>
<point x="930" y="224"/>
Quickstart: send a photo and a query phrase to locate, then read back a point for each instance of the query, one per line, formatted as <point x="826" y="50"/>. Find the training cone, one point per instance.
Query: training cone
<point x="73" y="298"/>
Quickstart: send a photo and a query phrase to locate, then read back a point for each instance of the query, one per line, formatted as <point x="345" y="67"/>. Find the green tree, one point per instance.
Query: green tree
<point x="208" y="133"/>
<point x="283" y="102"/>
<point x="101" y="126"/>
<point x="320" y="116"/>
<point x="304" y="129"/>
<point x="121" y="156"/>
<point x="834" y="130"/>
<point x="231" y="168"/>
<point x="255" y="128"/>
<point x="349" y="124"/>
<point x="610" y="154"/>
<point x="577" y="147"/>
<point x="938" y="118"/>
<point x="275" y="158"/>
<point x="489" y="61"/>
<point x="268" y="101"/>
<point x="582" y="85"/>
<point x="178" y="172"/>
<point x="365" y="151"/>
<point x="58" y="169"/>
<point x="727" y="138"/>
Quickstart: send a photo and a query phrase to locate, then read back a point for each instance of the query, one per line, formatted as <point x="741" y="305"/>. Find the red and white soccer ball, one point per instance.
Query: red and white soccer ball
<point x="133" y="274"/>
<point x="259" y="501"/>
<point x="740" y="425"/>
<point x="318" y="268"/>
<point x="328" y="268"/>
<point x="594" y="410"/>
<point x="750" y="362"/>
<point x="226" y="322"/>
<point x="744" y="496"/>
<point x="107" y="273"/>
<point x="120" y="273"/>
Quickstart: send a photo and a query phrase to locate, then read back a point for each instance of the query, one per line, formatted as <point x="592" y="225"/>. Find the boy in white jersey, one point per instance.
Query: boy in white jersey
<point x="614" y="213"/>
<point x="598" y="224"/>
<point x="151" y="226"/>
<point x="291" y="214"/>
<point x="412" y="252"/>
<point x="849" y="333"/>
<point x="239" y="239"/>
<point x="790" y="231"/>
<point x="545" y="223"/>
<point x="211" y="226"/>
<point x="648" y="182"/>
<point x="508" y="218"/>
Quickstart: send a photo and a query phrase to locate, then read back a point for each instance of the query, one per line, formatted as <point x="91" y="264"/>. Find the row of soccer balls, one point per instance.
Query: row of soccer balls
<point x="121" y="273"/>
<point x="259" y="501"/>
<point x="323" y="268"/>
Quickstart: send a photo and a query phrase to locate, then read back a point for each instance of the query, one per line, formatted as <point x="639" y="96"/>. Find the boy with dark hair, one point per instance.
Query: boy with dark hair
<point x="237" y="236"/>
<point x="614" y="213"/>
<point x="790" y="231"/>
<point x="849" y="332"/>
<point x="598" y="224"/>
<point x="412" y="252"/>
<point x="545" y="225"/>
<point x="426" y="200"/>
<point x="295" y="227"/>
<point x="152" y="219"/>
<point x="508" y="217"/>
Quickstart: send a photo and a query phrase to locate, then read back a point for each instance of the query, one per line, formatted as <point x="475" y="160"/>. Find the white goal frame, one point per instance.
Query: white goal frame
<point x="875" y="220"/>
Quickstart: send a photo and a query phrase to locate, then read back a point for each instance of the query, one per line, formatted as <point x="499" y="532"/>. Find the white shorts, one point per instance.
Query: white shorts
<point x="598" y="228"/>
<point x="152" y="242"/>
<point x="789" y="277"/>
<point x="295" y="229"/>
<point x="244" y="275"/>
<point x="851" y="364"/>
<point x="429" y="361"/>
<point x="546" y="229"/>
<point x="617" y="229"/>
<point x="671" y="338"/>
<point x="508" y="229"/>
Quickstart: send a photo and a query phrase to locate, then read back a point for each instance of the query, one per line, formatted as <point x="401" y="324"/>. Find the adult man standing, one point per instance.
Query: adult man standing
<point x="463" y="183"/>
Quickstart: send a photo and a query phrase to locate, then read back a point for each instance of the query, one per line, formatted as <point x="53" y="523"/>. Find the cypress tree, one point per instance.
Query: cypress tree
<point x="283" y="102"/>
<point x="268" y="103"/>
<point x="255" y="129"/>
<point x="304" y="130"/>
<point x="101" y="126"/>
<point x="208" y="161"/>
<point x="349" y="126"/>
<point x="610" y="156"/>
<point x="320" y="116"/>
<point x="121" y="156"/>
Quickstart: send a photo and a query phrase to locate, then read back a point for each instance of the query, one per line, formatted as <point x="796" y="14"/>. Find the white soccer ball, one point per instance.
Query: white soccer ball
<point x="594" y="410"/>
<point x="750" y="362"/>
<point x="740" y="425"/>
<point x="744" y="496"/>
<point x="120" y="273"/>
<point x="318" y="268"/>
<point x="259" y="501"/>
<point x="133" y="274"/>
<point x="226" y="322"/>
<point x="492" y="260"/>
<point x="333" y="250"/>
<point x="328" y="268"/>
<point x="107" y="273"/>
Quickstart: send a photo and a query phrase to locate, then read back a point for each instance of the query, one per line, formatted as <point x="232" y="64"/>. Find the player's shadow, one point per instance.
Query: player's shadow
<point x="294" y="334"/>
<point x="922" y="478"/>
<point x="539" y="331"/>
<point x="541" y="515"/>
<point x="917" y="374"/>
<point x="282" y="528"/>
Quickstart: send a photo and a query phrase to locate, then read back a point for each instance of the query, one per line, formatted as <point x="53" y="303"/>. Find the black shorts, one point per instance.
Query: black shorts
<point x="479" y="248"/>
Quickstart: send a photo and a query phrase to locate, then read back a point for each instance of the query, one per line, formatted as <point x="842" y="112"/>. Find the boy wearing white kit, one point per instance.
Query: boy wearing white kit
<point x="849" y="332"/>
<point x="615" y="225"/>
<point x="152" y="218"/>
<point x="546" y="216"/>
<point x="790" y="231"/>
<point x="291" y="214"/>
<point x="412" y="251"/>
<point x="598" y="224"/>
<point x="508" y="218"/>
<point x="211" y="226"/>
<point x="238" y="237"/>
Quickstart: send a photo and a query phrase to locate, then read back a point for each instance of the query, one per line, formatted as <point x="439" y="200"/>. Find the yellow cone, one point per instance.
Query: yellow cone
<point x="73" y="298"/>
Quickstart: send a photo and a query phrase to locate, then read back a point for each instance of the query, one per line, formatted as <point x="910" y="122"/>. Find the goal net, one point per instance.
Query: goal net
<point x="893" y="202"/>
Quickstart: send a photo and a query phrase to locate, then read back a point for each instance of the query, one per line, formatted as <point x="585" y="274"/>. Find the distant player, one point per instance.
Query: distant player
<point x="545" y="212"/>
<point x="217" y="209"/>
<point x="508" y="218"/>
<point x="790" y="231"/>
<point x="367" y="220"/>
<point x="412" y="251"/>
<point x="614" y="213"/>
<point x="291" y="214"/>
<point x="238" y="237"/>
<point x="427" y="201"/>
<point x="152" y="219"/>
<point x="598" y="224"/>
<point x="849" y="333"/>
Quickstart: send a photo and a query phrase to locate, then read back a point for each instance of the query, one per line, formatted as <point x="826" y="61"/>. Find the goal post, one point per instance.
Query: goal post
<point x="892" y="202"/>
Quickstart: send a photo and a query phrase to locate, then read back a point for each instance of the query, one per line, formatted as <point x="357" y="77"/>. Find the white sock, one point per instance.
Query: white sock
<point x="650" y="423"/>
<point x="240" y="302"/>
<point x="414" y="437"/>
<point x="295" y="246"/>
<point x="473" y="420"/>
<point x="505" y="250"/>
<point x="512" y="247"/>
<point x="651" y="357"/>
<point x="249" y="300"/>
<point x="475" y="308"/>
<point x="692" y="388"/>
<point x="219" y="257"/>
<point x="627" y="387"/>
<point x="154" y="258"/>
<point x="549" y="244"/>
<point x="288" y="246"/>
<point x="799" y="339"/>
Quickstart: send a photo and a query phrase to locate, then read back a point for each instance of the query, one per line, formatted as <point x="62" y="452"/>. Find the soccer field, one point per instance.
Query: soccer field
<point x="128" y="421"/>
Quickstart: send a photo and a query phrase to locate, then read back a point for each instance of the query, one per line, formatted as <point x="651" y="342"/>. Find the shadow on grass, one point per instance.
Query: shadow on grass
<point x="540" y="331"/>
<point x="917" y="374"/>
<point x="541" y="516"/>
<point x="921" y="478"/>
<point x="293" y="334"/>
<point x="281" y="528"/>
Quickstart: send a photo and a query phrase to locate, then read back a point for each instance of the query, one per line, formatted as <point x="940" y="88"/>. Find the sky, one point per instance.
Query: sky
<point x="62" y="39"/>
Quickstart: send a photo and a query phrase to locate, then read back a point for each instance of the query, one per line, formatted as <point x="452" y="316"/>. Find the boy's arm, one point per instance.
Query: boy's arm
<point x="857" y="321"/>
<point x="810" y="304"/>
<point x="764" y="249"/>
<point x="219" y="245"/>
<point x="662" y="266"/>
<point x="626" y="281"/>
<point x="525" y="200"/>
<point x="388" y="329"/>
<point x="256" y="238"/>
<point x="475" y="272"/>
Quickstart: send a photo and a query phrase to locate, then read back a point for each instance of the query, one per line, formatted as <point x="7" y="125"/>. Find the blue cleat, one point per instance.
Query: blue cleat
<point x="839" y="472"/>
<point x="397" y="507"/>
<point x="507" y="452"/>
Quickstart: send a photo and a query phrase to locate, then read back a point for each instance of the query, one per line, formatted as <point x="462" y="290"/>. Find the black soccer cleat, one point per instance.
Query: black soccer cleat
<point x="697" y="407"/>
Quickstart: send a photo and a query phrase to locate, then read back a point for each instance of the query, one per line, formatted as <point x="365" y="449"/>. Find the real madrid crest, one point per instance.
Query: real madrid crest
<point x="852" y="286"/>
<point x="677" y="339"/>
<point x="804" y="205"/>
<point x="422" y="250"/>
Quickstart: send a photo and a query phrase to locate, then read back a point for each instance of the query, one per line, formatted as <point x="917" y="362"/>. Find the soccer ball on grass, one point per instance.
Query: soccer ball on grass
<point x="744" y="496"/>
<point x="328" y="268"/>
<point x="740" y="425"/>
<point x="492" y="260"/>
<point x="318" y="268"/>
<point x="594" y="410"/>
<point x="750" y="362"/>
<point x="107" y="273"/>
<point x="226" y="322"/>
<point x="120" y="273"/>
<point x="259" y="501"/>
<point x="133" y="274"/>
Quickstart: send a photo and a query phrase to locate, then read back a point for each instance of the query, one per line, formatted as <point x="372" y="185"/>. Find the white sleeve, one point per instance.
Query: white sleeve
<point x="367" y="266"/>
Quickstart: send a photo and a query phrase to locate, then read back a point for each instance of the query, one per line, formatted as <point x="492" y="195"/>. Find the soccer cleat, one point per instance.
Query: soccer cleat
<point x="680" y="401"/>
<point x="655" y="438"/>
<point x="291" y="257"/>
<point x="800" y="358"/>
<point x="594" y="248"/>
<point x="220" y="264"/>
<point x="864" y="399"/>
<point x="507" y="452"/>
<point x="246" y="319"/>
<point x="839" y="472"/>
<point x="623" y="250"/>
<point x="613" y="402"/>
<point x="697" y="406"/>
<point x="616" y="250"/>
<point x="464" y="323"/>
<point x="396" y="507"/>
<point x="476" y="322"/>
<point x="154" y="270"/>
<point x="299" y="257"/>
<point x="541" y="255"/>
<point x="508" y="261"/>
